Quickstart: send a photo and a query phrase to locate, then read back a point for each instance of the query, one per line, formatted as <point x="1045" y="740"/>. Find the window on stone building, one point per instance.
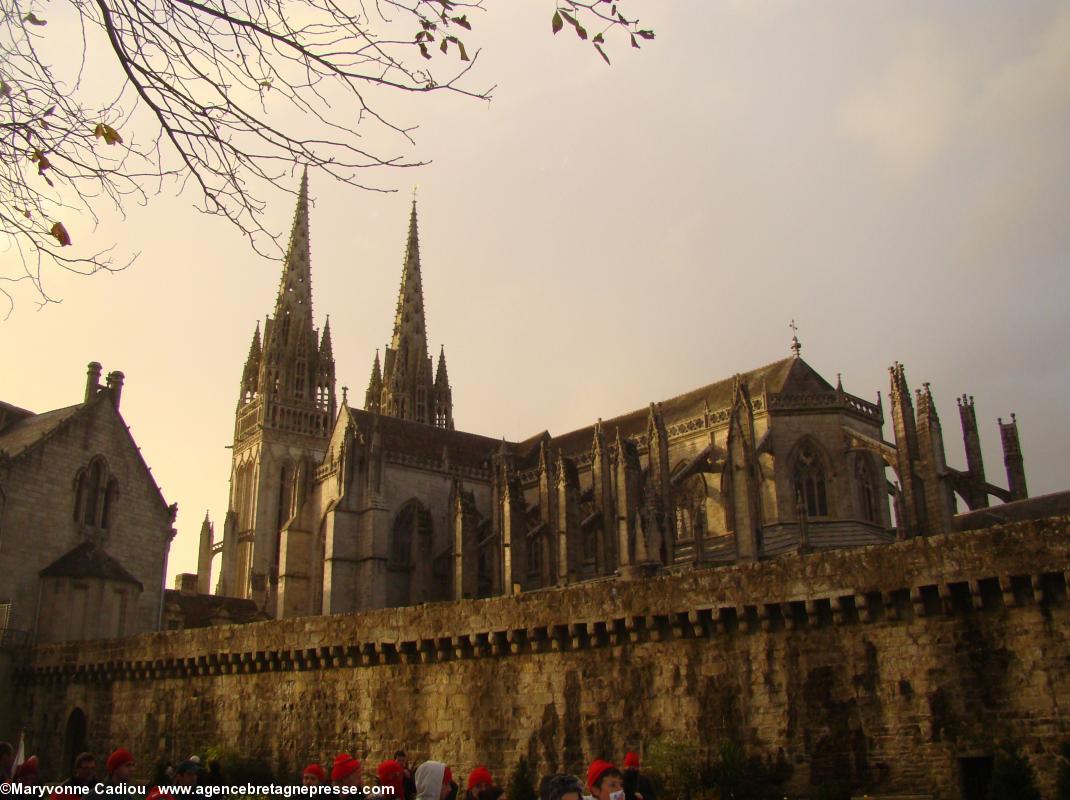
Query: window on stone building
<point x="535" y="555"/>
<point x="484" y="576"/>
<point x="412" y="524"/>
<point x="120" y="613"/>
<point x="96" y="476"/>
<point x="809" y="475"/>
<point x="111" y="494"/>
<point x="590" y="543"/>
<point x="286" y="486"/>
<point x="94" y="494"/>
<point x="79" y="495"/>
<point x="867" y="491"/>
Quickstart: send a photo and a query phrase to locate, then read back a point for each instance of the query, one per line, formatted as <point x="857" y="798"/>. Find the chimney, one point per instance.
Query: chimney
<point x="92" y="381"/>
<point x="115" y="386"/>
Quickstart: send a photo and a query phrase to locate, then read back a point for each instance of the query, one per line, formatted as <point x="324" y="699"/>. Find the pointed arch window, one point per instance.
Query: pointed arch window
<point x="79" y="495"/>
<point x="412" y="524"/>
<point x="810" y="480"/>
<point x="867" y="490"/>
<point x="95" y="494"/>
<point x="111" y="494"/>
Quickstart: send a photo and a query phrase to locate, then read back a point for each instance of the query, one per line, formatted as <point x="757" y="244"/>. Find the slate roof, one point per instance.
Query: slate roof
<point x="427" y="441"/>
<point x="88" y="560"/>
<point x="31" y="430"/>
<point x="25" y="433"/>
<point x="789" y="375"/>
<point x="1056" y="504"/>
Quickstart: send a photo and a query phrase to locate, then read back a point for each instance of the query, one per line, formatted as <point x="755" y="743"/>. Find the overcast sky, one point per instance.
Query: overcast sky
<point x="894" y="176"/>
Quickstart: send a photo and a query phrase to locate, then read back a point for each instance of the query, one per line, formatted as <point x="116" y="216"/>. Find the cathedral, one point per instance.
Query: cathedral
<point x="335" y="508"/>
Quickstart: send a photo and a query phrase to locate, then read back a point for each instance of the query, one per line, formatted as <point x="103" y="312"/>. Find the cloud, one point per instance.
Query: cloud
<point x="909" y="116"/>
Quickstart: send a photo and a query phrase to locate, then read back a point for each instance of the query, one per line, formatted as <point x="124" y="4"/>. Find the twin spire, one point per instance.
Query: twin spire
<point x="404" y="384"/>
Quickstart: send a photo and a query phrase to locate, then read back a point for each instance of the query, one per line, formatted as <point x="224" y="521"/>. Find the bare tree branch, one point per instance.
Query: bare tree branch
<point x="223" y="96"/>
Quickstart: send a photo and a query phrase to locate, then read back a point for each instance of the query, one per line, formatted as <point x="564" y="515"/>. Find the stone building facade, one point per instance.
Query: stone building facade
<point x="84" y="529"/>
<point x="337" y="509"/>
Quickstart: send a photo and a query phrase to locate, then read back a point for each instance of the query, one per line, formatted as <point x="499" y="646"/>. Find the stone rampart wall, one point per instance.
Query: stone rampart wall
<point x="883" y="665"/>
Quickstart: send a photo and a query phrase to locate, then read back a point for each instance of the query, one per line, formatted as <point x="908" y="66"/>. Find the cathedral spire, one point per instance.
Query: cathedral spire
<point x="441" y="377"/>
<point x="326" y="349"/>
<point x="250" y="381"/>
<point x="408" y="380"/>
<point x="409" y="324"/>
<point x="255" y="348"/>
<point x="295" y="288"/>
<point x="443" y="393"/>
<point x="373" y="397"/>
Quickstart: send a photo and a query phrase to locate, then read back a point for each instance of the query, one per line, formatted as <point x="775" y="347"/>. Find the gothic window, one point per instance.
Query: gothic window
<point x="96" y="476"/>
<point x="110" y="496"/>
<point x="867" y="492"/>
<point x="412" y="524"/>
<point x="484" y="578"/>
<point x="590" y="543"/>
<point x="79" y="495"/>
<point x="286" y="482"/>
<point x="535" y="556"/>
<point x="809" y="479"/>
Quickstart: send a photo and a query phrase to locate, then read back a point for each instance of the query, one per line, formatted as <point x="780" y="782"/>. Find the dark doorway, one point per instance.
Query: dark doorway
<point x="975" y="773"/>
<point x="74" y="739"/>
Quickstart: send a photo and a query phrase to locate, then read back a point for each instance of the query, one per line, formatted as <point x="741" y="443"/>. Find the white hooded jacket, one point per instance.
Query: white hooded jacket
<point x="429" y="777"/>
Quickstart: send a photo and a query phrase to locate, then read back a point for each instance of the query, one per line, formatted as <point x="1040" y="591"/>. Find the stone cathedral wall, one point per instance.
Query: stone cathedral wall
<point x="885" y="664"/>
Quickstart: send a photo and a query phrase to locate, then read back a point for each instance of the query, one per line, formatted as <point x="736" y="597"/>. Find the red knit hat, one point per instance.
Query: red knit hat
<point x="344" y="765"/>
<point x="480" y="775"/>
<point x="596" y="770"/>
<point x="118" y="758"/>
<point x="631" y="761"/>
<point x="388" y="771"/>
<point x="317" y="770"/>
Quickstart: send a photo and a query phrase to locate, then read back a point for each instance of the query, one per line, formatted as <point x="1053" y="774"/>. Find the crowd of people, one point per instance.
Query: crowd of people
<point x="431" y="780"/>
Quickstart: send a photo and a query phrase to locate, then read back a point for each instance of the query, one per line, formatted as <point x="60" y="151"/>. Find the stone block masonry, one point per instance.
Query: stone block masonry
<point x="882" y="665"/>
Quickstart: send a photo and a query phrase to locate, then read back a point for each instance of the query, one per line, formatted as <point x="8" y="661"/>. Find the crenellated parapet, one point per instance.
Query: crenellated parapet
<point x="970" y="574"/>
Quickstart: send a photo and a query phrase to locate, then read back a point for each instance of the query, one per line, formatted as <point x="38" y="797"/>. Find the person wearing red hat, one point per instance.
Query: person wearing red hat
<point x="636" y="785"/>
<point x="346" y="771"/>
<point x="391" y="773"/>
<point x="479" y="780"/>
<point x="120" y="766"/>
<point x="155" y="793"/>
<point x="313" y="775"/>
<point x="605" y="781"/>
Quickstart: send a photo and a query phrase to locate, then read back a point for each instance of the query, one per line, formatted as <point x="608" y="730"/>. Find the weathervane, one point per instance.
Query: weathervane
<point x="796" y="345"/>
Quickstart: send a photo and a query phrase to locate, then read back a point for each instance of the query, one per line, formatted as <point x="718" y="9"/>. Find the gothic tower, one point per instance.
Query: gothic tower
<point x="285" y="412"/>
<point x="408" y="387"/>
